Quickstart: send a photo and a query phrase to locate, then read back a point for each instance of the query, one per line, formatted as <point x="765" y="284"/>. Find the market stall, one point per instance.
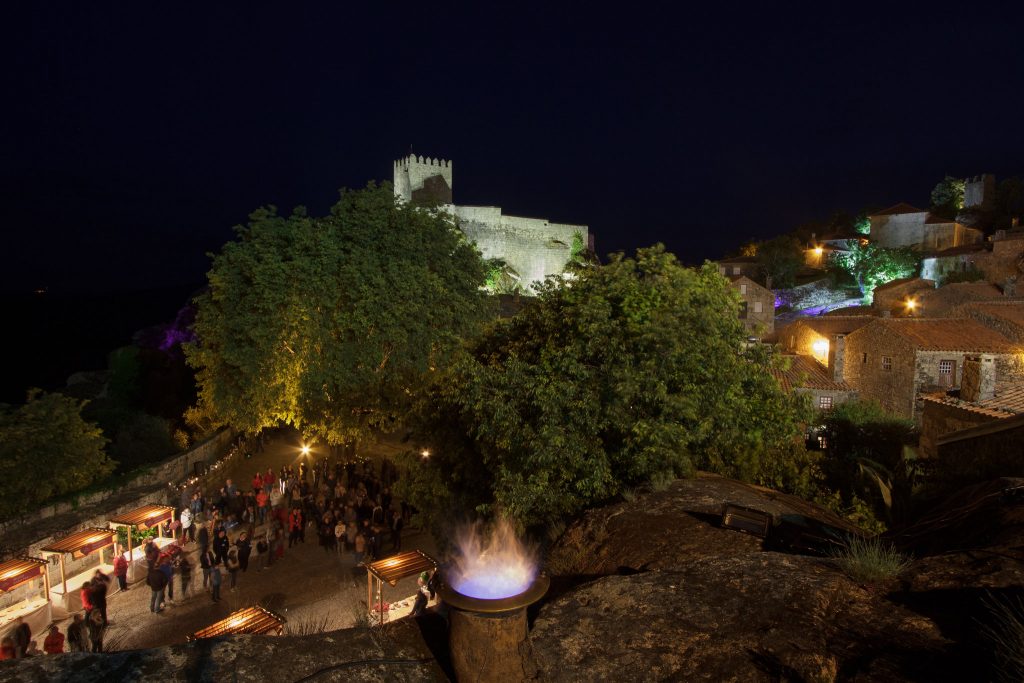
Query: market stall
<point x="78" y="545"/>
<point x="147" y="517"/>
<point x="24" y="593"/>
<point x="391" y="570"/>
<point x="253" y="620"/>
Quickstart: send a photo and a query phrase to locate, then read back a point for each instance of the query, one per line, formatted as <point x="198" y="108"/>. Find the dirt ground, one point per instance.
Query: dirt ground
<point x="311" y="588"/>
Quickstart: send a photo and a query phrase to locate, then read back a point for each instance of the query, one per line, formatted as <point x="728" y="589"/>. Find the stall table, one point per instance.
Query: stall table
<point x="145" y="517"/>
<point x="35" y="611"/>
<point x="391" y="570"/>
<point x="78" y="544"/>
<point x="253" y="620"/>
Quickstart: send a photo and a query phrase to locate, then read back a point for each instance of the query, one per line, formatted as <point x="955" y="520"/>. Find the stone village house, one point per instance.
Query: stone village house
<point x="757" y="310"/>
<point x="893" y="360"/>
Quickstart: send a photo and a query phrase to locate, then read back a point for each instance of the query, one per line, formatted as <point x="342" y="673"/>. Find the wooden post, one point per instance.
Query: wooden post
<point x="63" y="578"/>
<point x="131" y="560"/>
<point x="102" y="559"/>
<point x="46" y="579"/>
<point x="369" y="591"/>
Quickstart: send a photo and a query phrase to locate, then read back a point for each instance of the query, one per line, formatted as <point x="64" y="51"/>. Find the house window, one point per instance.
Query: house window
<point x="887" y="363"/>
<point x="825" y="402"/>
<point x="947" y="373"/>
<point x="735" y="270"/>
<point x="945" y="367"/>
<point x="743" y="311"/>
<point x="822" y="443"/>
<point x="743" y="289"/>
<point x="864" y="357"/>
<point x="758" y="307"/>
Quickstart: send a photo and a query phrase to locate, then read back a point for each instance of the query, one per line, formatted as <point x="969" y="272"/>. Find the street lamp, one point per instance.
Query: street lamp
<point x="305" y="449"/>
<point x="425" y="453"/>
<point x="911" y="305"/>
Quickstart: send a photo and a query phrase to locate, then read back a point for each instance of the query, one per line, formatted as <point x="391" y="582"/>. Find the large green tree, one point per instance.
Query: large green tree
<point x="948" y="196"/>
<point x="631" y="370"/>
<point x="47" y="449"/>
<point x="781" y="258"/>
<point x="871" y="265"/>
<point x="330" y="323"/>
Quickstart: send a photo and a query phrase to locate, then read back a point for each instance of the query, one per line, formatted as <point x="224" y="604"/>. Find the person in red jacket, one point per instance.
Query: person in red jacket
<point x="294" y="526"/>
<point x="54" y="643"/>
<point x="86" y="595"/>
<point x="121" y="571"/>
<point x="257" y="482"/>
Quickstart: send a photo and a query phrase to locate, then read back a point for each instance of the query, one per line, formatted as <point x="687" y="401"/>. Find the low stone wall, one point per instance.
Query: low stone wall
<point x="170" y="470"/>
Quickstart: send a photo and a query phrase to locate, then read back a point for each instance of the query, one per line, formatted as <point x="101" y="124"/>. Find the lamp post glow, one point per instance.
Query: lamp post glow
<point x="911" y="305"/>
<point x="305" y="449"/>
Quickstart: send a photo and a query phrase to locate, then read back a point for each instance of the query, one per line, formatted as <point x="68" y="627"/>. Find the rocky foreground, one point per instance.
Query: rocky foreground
<point x="655" y="589"/>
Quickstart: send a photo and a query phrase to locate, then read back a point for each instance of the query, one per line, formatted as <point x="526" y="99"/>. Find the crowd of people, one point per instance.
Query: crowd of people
<point x="347" y="507"/>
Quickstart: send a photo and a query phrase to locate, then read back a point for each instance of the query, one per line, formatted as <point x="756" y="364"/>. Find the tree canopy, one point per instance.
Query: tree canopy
<point x="631" y="370"/>
<point x="329" y="323"/>
<point x="871" y="265"/>
<point x="781" y="258"/>
<point x="948" y="196"/>
<point x="47" y="449"/>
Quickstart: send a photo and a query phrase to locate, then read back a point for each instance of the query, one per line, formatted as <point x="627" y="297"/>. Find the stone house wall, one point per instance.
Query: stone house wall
<point x="756" y="322"/>
<point x="898" y="230"/>
<point x="894" y="296"/>
<point x="838" y="396"/>
<point x="938" y="419"/>
<point x="894" y="389"/>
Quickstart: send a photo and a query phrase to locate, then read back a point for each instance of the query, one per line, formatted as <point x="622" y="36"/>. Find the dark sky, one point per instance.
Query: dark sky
<point x="138" y="134"/>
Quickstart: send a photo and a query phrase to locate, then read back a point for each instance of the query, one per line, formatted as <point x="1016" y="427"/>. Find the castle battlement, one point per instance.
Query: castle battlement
<point x="414" y="160"/>
<point x="418" y="178"/>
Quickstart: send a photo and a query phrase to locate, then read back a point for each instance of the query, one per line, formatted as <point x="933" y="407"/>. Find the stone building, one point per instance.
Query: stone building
<point x="747" y="266"/>
<point x="981" y="399"/>
<point x="823" y="338"/>
<point x="894" y="360"/>
<point x="892" y="297"/>
<point x="941" y="302"/>
<point x="757" y="309"/>
<point x="983" y="452"/>
<point x="802" y="374"/>
<point x="903" y="225"/>
<point x="1000" y="260"/>
<point x="533" y="249"/>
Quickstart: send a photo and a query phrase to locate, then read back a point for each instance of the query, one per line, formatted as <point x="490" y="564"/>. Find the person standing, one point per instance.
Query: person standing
<point x="54" y="643"/>
<point x="339" y="537"/>
<point x="396" y="530"/>
<point x="157" y="581"/>
<point x="96" y="628"/>
<point x="168" y="569"/>
<point x="204" y="538"/>
<point x="215" y="580"/>
<point x="206" y="562"/>
<point x="294" y="526"/>
<point x="187" y="529"/>
<point x="185" y="572"/>
<point x="262" y="551"/>
<point x="233" y="565"/>
<point x="244" y="550"/>
<point x="121" y="571"/>
<point x="22" y="637"/>
<point x="76" y="634"/>
<point x="220" y="545"/>
<point x="100" y="584"/>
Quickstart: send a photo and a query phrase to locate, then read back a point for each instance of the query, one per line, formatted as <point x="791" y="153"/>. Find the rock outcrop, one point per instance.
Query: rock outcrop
<point x="396" y="654"/>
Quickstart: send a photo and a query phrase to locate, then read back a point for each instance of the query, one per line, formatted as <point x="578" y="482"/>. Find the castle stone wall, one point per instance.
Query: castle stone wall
<point x="533" y="247"/>
<point x="411" y="173"/>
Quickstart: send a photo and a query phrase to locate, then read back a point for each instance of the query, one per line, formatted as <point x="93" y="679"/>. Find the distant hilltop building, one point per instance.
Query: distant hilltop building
<point x="532" y="248"/>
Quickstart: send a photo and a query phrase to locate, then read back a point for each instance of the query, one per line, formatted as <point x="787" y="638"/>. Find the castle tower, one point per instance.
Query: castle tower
<point x="420" y="180"/>
<point x="980" y="192"/>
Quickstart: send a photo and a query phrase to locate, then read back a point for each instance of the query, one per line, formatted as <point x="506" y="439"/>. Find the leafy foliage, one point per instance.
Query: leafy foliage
<point x="47" y="449"/>
<point x="631" y="371"/>
<point x="969" y="275"/>
<point x="948" y="196"/>
<point x="871" y="265"/>
<point x="781" y="259"/>
<point x="330" y="323"/>
<point x="870" y="457"/>
<point x="862" y="225"/>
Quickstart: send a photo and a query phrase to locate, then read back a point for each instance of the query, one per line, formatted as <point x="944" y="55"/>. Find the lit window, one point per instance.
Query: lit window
<point x="743" y="289"/>
<point x="735" y="270"/>
<point x="757" y="307"/>
<point x="822" y="443"/>
<point x="945" y="367"/>
<point x="825" y="402"/>
<point x="887" y="363"/>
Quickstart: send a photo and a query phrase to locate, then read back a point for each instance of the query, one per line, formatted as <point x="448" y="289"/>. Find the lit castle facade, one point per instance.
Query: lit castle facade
<point x="532" y="248"/>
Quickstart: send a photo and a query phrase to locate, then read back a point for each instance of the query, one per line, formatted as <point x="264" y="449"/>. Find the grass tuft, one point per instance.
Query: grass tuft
<point x="1005" y="633"/>
<point x="869" y="560"/>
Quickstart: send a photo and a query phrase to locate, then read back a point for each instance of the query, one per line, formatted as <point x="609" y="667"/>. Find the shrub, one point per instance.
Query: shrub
<point x="869" y="560"/>
<point x="972" y="275"/>
<point x="661" y="480"/>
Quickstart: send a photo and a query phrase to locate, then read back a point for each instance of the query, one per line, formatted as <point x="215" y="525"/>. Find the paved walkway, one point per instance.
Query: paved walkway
<point x="315" y="590"/>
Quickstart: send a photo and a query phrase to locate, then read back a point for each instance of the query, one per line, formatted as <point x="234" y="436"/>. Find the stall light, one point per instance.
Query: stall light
<point x="425" y="453"/>
<point x="818" y="251"/>
<point x="237" y="621"/>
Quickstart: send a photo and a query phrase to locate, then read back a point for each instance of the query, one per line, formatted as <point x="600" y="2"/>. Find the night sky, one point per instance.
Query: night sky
<point x="137" y="135"/>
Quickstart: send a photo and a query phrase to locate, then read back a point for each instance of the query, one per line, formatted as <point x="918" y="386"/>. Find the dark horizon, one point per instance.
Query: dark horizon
<point x="144" y="134"/>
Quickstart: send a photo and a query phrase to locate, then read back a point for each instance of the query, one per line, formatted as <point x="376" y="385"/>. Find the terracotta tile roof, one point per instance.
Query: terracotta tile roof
<point x="803" y="372"/>
<point x="949" y="334"/>
<point x="827" y="326"/>
<point x="1007" y="401"/>
<point x="904" y="281"/>
<point x="902" y="207"/>
<point x="994" y="427"/>
<point x="852" y="311"/>
<point x="1010" y="311"/>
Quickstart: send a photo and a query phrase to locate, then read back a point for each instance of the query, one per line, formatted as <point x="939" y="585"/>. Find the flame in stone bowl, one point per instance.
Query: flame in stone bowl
<point x="492" y="567"/>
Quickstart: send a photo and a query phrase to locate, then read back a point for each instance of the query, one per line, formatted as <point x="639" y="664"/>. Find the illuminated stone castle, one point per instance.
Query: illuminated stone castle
<point x="532" y="248"/>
